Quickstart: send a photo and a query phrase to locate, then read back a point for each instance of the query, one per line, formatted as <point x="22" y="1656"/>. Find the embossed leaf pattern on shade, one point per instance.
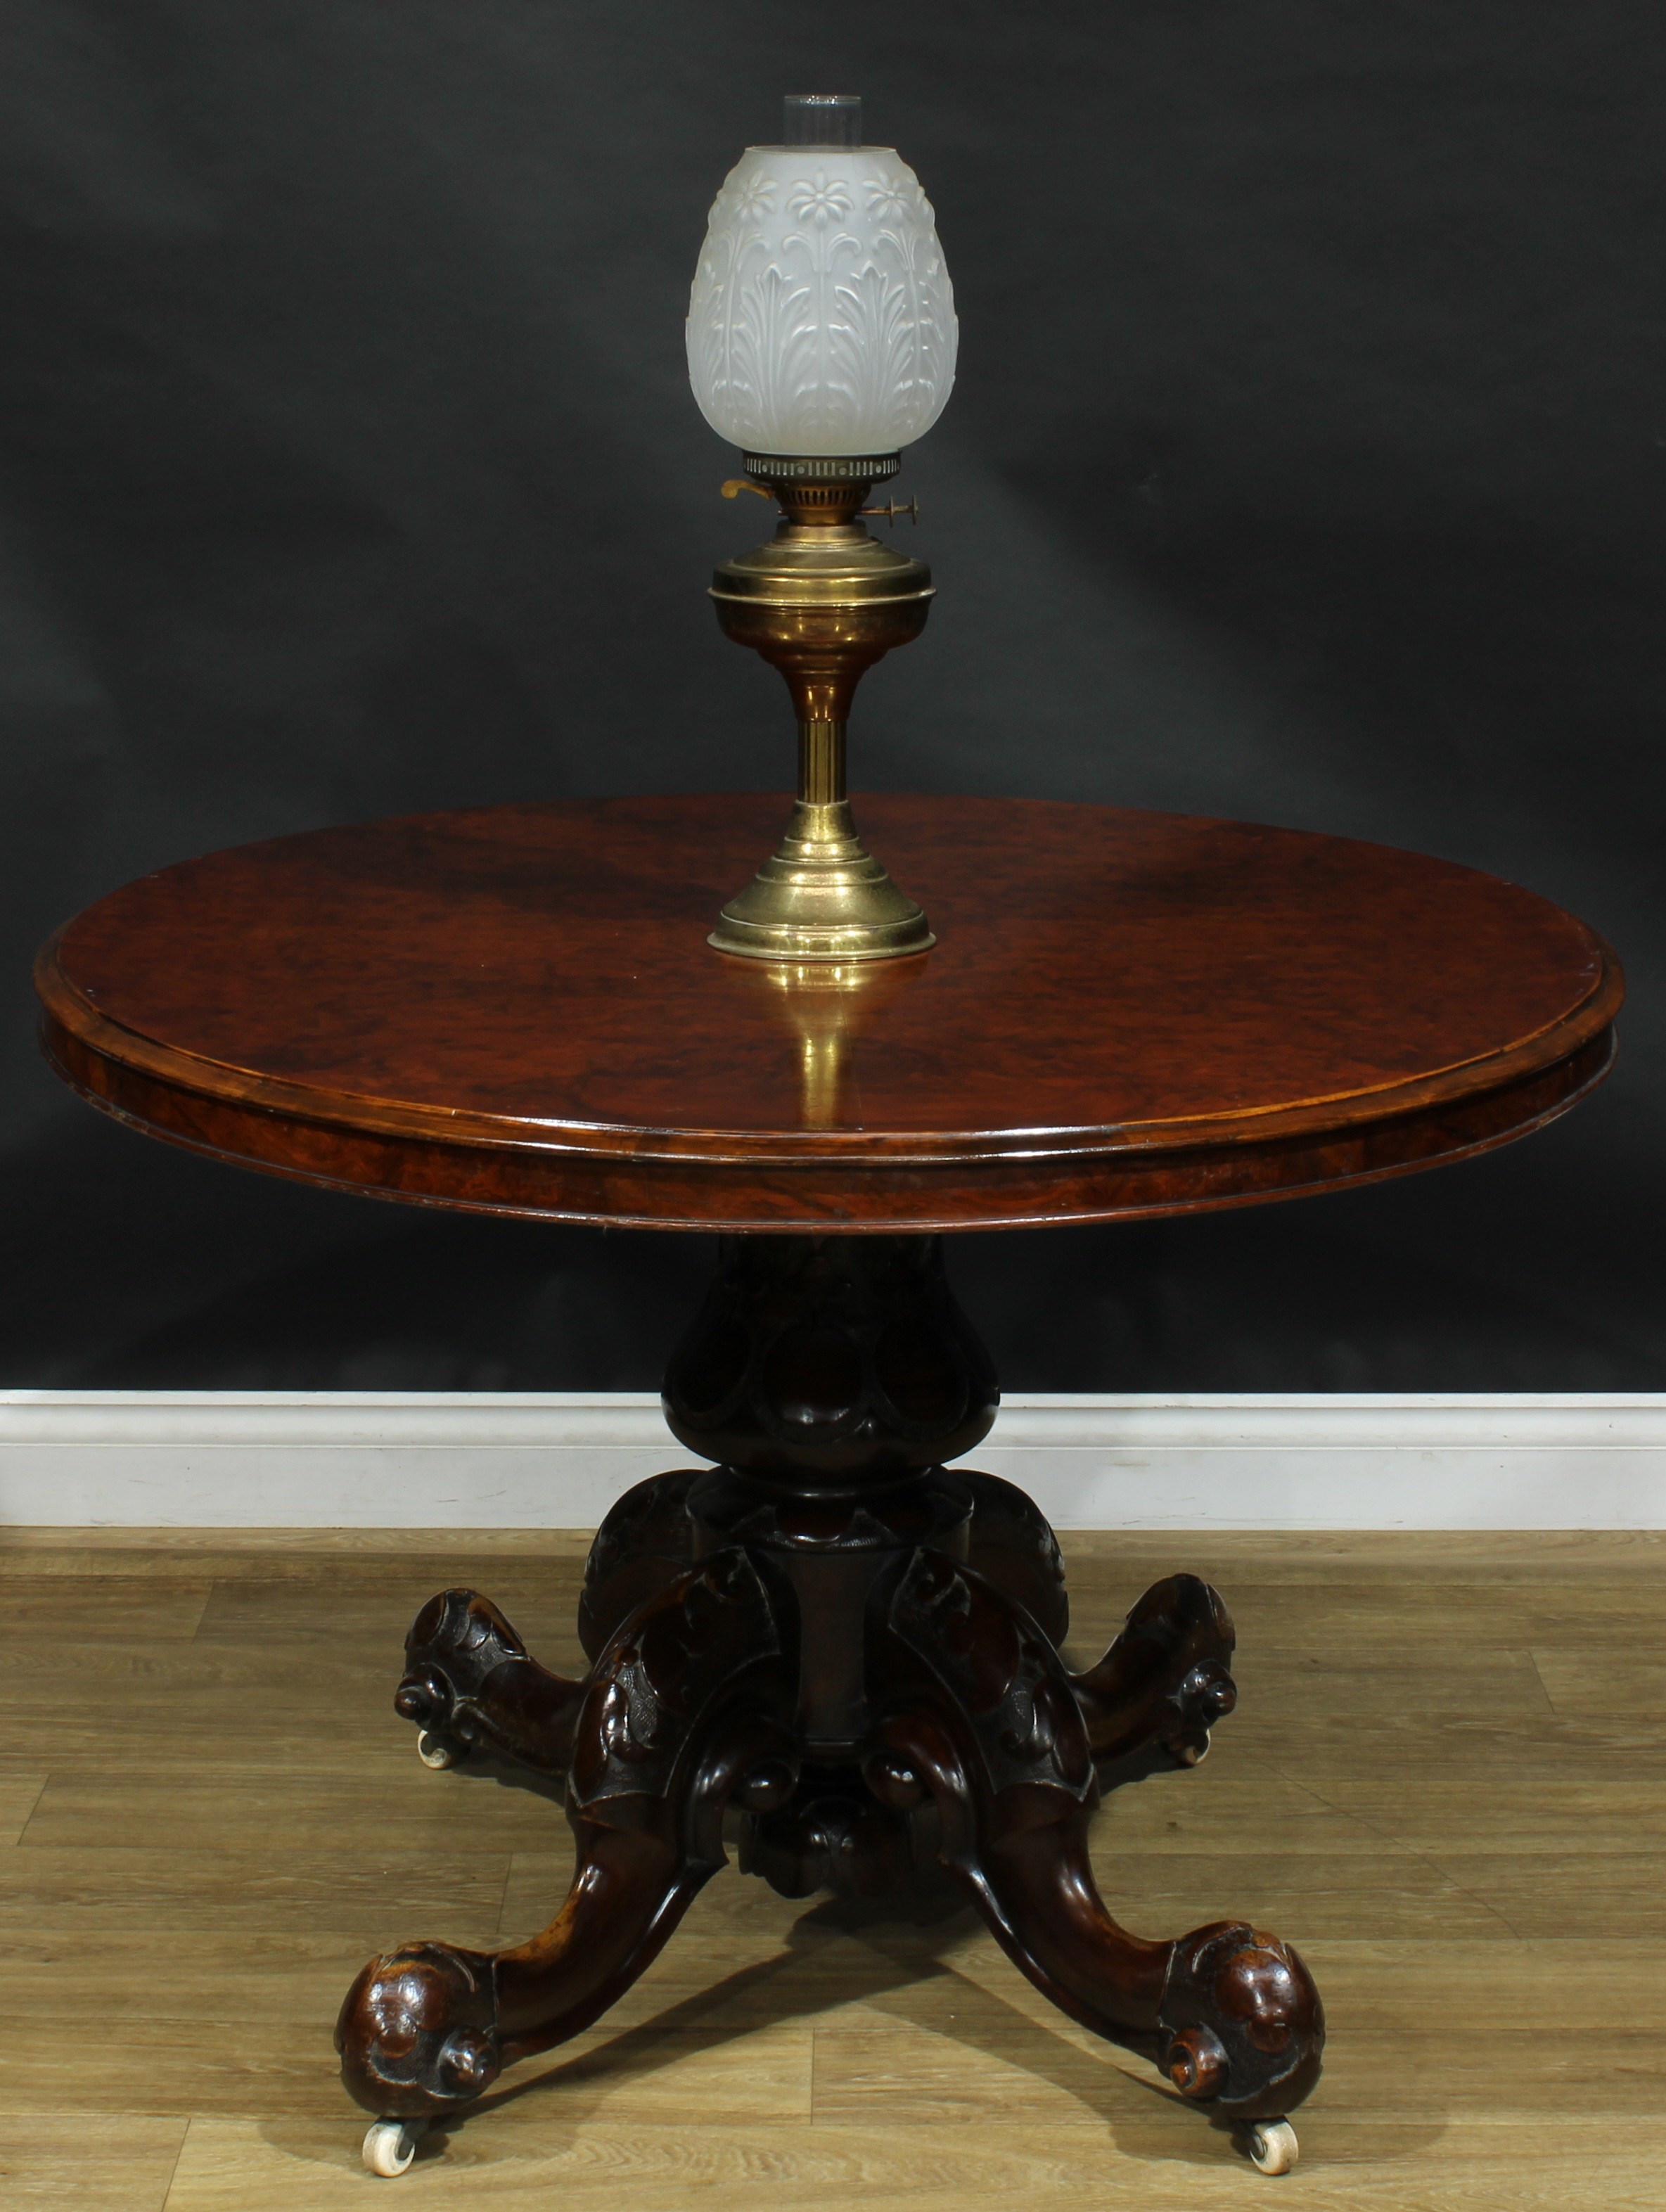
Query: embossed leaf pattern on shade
<point x="822" y="318"/>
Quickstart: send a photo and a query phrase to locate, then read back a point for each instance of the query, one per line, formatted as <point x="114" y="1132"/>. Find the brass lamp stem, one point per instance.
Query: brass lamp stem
<point x="822" y="601"/>
<point x="821" y="762"/>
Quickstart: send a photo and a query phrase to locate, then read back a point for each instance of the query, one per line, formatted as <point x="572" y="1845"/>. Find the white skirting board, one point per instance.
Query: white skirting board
<point x="367" y="1459"/>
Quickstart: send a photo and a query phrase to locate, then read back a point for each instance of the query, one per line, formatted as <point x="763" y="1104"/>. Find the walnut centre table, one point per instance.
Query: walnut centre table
<point x="825" y="1642"/>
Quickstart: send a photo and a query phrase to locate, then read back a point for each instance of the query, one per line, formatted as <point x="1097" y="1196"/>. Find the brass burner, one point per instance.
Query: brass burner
<point x="822" y="602"/>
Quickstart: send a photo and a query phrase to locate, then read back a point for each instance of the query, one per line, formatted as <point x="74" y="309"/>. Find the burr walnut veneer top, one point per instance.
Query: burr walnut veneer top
<point x="514" y="1008"/>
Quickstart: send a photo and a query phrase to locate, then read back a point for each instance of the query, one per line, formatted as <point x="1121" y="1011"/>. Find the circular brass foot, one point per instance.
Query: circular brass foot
<point x="822" y="895"/>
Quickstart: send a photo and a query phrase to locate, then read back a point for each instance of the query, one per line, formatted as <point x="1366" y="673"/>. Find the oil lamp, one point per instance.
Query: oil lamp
<point x="821" y="340"/>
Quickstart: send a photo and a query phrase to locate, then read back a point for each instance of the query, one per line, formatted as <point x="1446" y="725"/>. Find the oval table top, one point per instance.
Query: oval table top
<point x="514" y="1009"/>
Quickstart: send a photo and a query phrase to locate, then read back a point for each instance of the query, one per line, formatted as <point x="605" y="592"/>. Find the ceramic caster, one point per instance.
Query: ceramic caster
<point x="438" y="1751"/>
<point x="1272" y="2145"/>
<point x="1195" y="1752"/>
<point x="390" y="2145"/>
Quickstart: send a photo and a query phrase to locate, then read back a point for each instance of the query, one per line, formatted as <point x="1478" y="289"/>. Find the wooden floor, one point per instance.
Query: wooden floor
<point x="1445" y="1782"/>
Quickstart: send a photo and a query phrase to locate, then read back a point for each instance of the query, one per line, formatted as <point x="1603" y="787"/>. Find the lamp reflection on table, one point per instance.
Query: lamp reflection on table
<point x="824" y="1005"/>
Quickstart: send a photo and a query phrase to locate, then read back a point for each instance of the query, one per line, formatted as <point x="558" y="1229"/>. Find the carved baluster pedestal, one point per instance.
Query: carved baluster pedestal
<point x="855" y="1647"/>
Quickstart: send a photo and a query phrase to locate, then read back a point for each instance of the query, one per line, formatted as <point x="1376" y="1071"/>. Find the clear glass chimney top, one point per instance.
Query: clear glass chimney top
<point x="821" y="118"/>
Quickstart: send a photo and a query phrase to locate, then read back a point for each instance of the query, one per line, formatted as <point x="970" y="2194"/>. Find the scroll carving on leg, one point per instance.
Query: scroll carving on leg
<point x="470" y="1683"/>
<point x="990" y="1727"/>
<point x="1166" y="1680"/>
<point x="681" y="1715"/>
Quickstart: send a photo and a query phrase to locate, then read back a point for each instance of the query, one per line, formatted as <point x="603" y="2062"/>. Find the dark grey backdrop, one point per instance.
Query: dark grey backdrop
<point x="1307" y="464"/>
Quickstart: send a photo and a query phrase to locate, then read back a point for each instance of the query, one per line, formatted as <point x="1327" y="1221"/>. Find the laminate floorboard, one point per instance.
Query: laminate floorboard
<point x="1445" y="1782"/>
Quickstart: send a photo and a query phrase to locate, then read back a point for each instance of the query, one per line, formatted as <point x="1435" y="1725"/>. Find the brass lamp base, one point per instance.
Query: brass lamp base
<point x="823" y="601"/>
<point x="822" y="895"/>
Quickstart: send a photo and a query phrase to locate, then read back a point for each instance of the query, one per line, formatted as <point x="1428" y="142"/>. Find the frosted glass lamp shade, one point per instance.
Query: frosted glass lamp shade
<point x="822" y="318"/>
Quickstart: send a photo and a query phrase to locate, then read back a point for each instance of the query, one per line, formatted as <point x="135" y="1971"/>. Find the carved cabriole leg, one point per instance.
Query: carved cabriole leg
<point x="470" y="1683"/>
<point x="1166" y="1680"/>
<point x="992" y="1732"/>
<point x="681" y="1713"/>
